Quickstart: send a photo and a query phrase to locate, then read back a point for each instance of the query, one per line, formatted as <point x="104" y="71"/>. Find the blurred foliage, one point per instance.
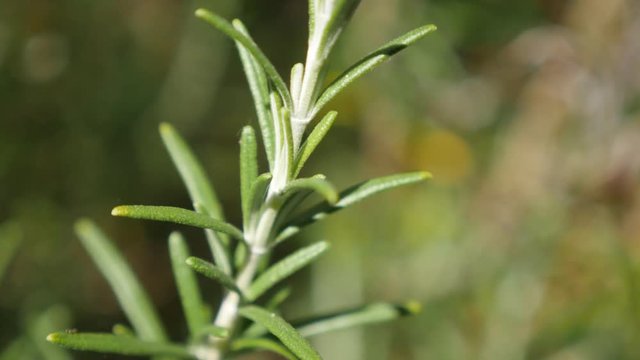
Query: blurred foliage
<point x="526" y="112"/>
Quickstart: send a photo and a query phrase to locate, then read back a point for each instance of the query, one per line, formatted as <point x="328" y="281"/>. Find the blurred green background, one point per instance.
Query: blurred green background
<point x="524" y="246"/>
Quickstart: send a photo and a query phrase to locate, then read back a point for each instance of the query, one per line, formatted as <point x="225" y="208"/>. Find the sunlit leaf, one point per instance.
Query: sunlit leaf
<point x="370" y="62"/>
<point x="248" y="170"/>
<point x="241" y="345"/>
<point x="215" y="331"/>
<point x="228" y="29"/>
<point x="201" y="191"/>
<point x="132" y="298"/>
<point x="316" y="184"/>
<point x="368" y="314"/>
<point x="187" y="284"/>
<point x="177" y="216"/>
<point x="313" y="140"/>
<point x="285" y="268"/>
<point x="122" y="330"/>
<point x="282" y="330"/>
<point x="357" y="193"/>
<point x="259" y="88"/>
<point x="115" y="344"/>
<point x="212" y="272"/>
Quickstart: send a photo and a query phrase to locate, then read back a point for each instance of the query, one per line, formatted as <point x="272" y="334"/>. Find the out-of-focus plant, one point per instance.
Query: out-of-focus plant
<point x="272" y="207"/>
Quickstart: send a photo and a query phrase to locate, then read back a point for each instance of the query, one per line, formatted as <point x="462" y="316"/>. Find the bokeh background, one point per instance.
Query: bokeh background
<point x="525" y="245"/>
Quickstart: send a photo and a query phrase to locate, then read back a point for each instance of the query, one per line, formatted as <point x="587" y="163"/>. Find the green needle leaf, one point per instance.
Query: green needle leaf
<point x="178" y="216"/>
<point x="199" y="187"/>
<point x="215" y="331"/>
<point x="116" y="344"/>
<point x="248" y="170"/>
<point x="282" y="330"/>
<point x="369" y="314"/>
<point x="122" y="330"/>
<point x="228" y="29"/>
<point x="370" y="62"/>
<point x="191" y="172"/>
<point x="316" y="183"/>
<point x="357" y="193"/>
<point x="132" y="298"/>
<point x="190" y="296"/>
<point x="285" y="268"/>
<point x="259" y="88"/>
<point x="262" y="344"/>
<point x="313" y="140"/>
<point x="212" y="272"/>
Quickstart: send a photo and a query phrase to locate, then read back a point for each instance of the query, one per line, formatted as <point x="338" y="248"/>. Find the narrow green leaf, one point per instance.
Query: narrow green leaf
<point x="282" y="330"/>
<point x="115" y="344"/>
<point x="219" y="250"/>
<point x="39" y="325"/>
<point x="259" y="88"/>
<point x="370" y="62"/>
<point x="313" y="140"/>
<point x="122" y="330"/>
<point x="132" y="298"/>
<point x="285" y="268"/>
<point x="10" y="239"/>
<point x="259" y="190"/>
<point x="215" y="331"/>
<point x="369" y="314"/>
<point x="357" y="193"/>
<point x="285" y="234"/>
<point x="241" y="345"/>
<point x="187" y="284"/>
<point x="297" y="73"/>
<point x="256" y="330"/>
<point x="198" y="186"/>
<point x="228" y="29"/>
<point x="191" y="172"/>
<point x="248" y="170"/>
<point x="316" y="184"/>
<point x="176" y="215"/>
<point x="212" y="272"/>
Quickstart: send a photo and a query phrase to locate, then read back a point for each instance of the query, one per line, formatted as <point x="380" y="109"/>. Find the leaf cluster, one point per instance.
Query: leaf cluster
<point x="275" y="204"/>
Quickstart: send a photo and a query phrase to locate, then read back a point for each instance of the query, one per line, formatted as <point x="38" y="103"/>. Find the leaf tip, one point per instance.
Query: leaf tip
<point x="165" y="128"/>
<point x="53" y="338"/>
<point x="412" y="307"/>
<point x="425" y="175"/>
<point x="82" y="225"/>
<point x="201" y="13"/>
<point x="119" y="211"/>
<point x="191" y="261"/>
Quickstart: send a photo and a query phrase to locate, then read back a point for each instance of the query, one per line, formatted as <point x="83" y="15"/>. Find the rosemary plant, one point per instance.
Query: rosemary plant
<point x="271" y="206"/>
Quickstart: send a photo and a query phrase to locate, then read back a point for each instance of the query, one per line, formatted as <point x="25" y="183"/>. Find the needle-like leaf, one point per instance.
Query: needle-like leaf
<point x="282" y="330"/>
<point x="187" y="284"/>
<point x="215" y="331"/>
<point x="200" y="190"/>
<point x="370" y="62"/>
<point x="191" y="172"/>
<point x="212" y="272"/>
<point x="228" y="29"/>
<point x="132" y="298"/>
<point x="248" y="170"/>
<point x="317" y="183"/>
<point x="177" y="216"/>
<point x="285" y="268"/>
<point x="241" y="345"/>
<point x="357" y="193"/>
<point x="313" y="140"/>
<point x="115" y="344"/>
<point x="368" y="314"/>
<point x="122" y="330"/>
<point x="259" y="88"/>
